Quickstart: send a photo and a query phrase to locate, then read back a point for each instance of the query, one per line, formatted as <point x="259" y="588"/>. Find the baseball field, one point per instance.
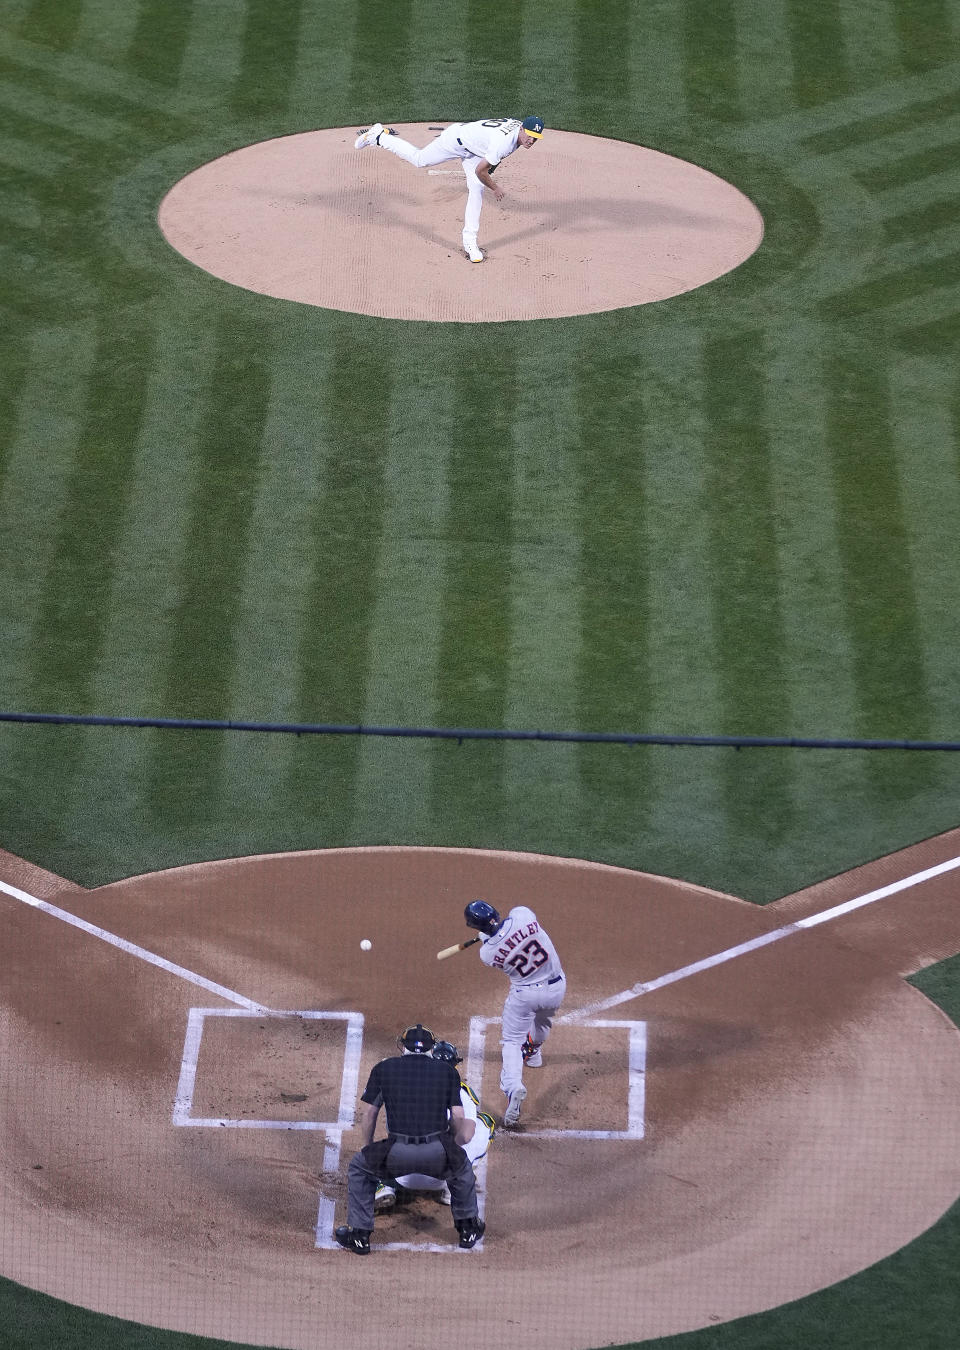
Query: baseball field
<point x="659" y="541"/>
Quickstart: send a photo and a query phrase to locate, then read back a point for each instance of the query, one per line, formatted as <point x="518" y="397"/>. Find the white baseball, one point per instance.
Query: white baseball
<point x="365" y="945"/>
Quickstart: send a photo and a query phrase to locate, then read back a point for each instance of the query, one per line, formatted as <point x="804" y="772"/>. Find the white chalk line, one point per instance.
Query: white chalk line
<point x="326" y="1208"/>
<point x="188" y="1064"/>
<point x="636" y="1065"/>
<point x="636" y="1080"/>
<point x="325" y="1215"/>
<point x="720" y="958"/>
<point x="131" y="948"/>
<point x="196" y="1021"/>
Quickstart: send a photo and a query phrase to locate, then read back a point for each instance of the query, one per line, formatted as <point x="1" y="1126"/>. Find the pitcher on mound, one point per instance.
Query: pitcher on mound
<point x="479" y="146"/>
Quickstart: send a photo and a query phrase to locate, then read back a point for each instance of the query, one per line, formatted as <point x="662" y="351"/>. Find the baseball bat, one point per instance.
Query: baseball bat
<point x="452" y="951"/>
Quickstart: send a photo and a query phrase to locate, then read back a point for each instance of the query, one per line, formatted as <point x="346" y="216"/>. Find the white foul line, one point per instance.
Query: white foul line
<point x="348" y="1086"/>
<point x="811" y="921"/>
<point x="131" y="948"/>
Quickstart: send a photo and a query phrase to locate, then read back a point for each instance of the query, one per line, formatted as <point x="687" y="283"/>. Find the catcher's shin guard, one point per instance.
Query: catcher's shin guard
<point x="488" y="1120"/>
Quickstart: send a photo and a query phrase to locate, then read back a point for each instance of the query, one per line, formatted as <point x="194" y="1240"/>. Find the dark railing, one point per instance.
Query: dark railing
<point x="477" y="733"/>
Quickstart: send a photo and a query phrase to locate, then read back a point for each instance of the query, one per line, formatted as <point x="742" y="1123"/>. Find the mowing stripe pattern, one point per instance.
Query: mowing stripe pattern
<point x="702" y="516"/>
<point x="735" y="511"/>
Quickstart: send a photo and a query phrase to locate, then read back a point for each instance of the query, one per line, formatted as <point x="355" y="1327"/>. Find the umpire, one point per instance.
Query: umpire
<point x="425" y="1129"/>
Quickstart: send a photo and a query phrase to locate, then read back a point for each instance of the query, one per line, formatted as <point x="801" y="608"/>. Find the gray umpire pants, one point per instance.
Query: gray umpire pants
<point x="393" y="1157"/>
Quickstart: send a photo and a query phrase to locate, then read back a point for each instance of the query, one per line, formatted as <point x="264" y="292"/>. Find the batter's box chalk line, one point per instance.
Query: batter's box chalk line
<point x="183" y="1101"/>
<point x="636" y="1077"/>
<point x="334" y="1129"/>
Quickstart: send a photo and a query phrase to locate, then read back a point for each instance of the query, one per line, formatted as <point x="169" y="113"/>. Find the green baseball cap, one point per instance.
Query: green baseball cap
<point x="533" y="126"/>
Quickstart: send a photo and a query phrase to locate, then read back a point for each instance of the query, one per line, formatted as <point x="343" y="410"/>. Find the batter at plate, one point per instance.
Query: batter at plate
<point x="525" y="953"/>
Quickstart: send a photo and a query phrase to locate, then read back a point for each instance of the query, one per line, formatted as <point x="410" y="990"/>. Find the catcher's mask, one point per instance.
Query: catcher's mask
<point x="447" y="1052"/>
<point x="417" y="1040"/>
<point x="483" y="917"/>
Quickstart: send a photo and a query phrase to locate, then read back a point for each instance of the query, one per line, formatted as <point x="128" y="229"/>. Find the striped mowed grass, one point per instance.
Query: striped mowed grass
<point x="735" y="512"/>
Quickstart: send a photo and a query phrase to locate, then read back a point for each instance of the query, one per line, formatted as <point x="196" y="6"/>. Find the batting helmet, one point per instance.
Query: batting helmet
<point x="417" y="1040"/>
<point x="447" y="1052"/>
<point x="483" y="917"/>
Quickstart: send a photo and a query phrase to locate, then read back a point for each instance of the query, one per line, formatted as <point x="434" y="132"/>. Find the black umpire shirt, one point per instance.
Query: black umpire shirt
<point x="416" y="1091"/>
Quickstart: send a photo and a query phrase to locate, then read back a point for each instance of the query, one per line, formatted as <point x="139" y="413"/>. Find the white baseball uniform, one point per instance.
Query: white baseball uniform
<point x="470" y="142"/>
<point x="475" y="1148"/>
<point x="525" y="953"/>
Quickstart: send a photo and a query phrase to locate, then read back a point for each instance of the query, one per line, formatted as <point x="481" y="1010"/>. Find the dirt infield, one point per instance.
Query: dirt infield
<point x="799" y="1111"/>
<point x="588" y="224"/>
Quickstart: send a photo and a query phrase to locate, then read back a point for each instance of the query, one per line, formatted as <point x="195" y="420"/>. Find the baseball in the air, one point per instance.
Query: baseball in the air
<point x="365" y="945"/>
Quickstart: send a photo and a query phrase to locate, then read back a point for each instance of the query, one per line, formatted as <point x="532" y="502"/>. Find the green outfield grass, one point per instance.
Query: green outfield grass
<point x="734" y="512"/>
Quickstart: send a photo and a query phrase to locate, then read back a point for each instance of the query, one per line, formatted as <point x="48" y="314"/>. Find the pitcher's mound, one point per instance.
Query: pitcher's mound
<point x="587" y="225"/>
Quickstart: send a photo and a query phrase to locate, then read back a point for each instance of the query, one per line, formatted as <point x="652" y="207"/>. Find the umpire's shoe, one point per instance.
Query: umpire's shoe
<point x="354" y="1240"/>
<point x="471" y="1231"/>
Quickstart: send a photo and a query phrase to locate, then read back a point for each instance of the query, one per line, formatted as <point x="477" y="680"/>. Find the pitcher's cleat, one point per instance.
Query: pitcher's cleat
<point x="369" y="137"/>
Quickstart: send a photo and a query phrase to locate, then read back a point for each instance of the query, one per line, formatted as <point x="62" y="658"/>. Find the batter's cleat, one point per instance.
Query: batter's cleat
<point x="530" y="1050"/>
<point x="474" y="254"/>
<point x="471" y="1231"/>
<point x="516" y="1099"/>
<point x="354" y="1240"/>
<point x="369" y="137"/>
<point x="443" y="1195"/>
<point x="384" y="1198"/>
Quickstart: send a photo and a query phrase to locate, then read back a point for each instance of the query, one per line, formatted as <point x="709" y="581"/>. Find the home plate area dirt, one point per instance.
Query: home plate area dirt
<point x="180" y="1078"/>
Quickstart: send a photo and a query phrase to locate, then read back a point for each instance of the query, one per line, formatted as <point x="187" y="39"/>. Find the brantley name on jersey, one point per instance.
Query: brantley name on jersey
<point x="513" y="941"/>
